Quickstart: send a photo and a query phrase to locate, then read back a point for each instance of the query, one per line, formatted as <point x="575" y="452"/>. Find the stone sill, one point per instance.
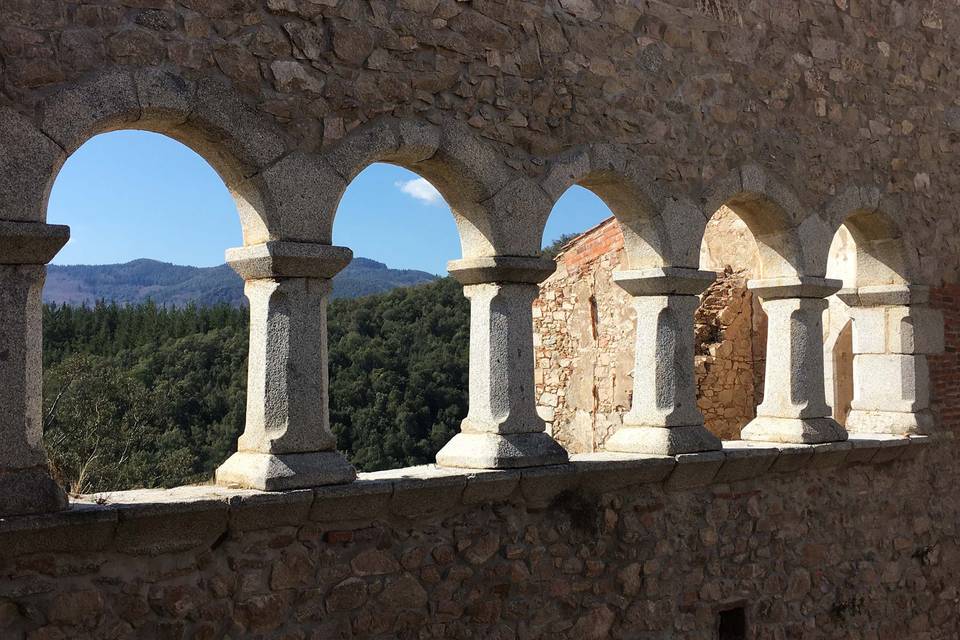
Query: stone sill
<point x="157" y="521"/>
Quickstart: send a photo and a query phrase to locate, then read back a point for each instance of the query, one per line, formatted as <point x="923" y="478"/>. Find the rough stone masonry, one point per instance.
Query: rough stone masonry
<point x="800" y="117"/>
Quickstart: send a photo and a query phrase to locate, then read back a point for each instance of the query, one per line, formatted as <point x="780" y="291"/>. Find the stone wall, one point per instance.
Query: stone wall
<point x="694" y="89"/>
<point x="853" y="541"/>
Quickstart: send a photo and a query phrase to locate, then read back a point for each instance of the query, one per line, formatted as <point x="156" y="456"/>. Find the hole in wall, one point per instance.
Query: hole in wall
<point x="732" y="624"/>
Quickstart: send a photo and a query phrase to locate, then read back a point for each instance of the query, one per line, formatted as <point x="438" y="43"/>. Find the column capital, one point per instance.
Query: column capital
<point x="31" y="242"/>
<point x="664" y="281"/>
<point x="794" y="287"/>
<point x="283" y="259"/>
<point x="490" y="269"/>
<point x="885" y="295"/>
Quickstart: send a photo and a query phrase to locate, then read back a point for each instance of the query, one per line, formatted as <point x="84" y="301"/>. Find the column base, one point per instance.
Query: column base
<point x="890" y="422"/>
<point x="272" y="472"/>
<point x="665" y="441"/>
<point x="501" y="451"/>
<point x="29" y="491"/>
<point x="794" y="430"/>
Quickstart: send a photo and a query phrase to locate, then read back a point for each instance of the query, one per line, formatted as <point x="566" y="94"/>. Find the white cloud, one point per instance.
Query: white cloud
<point x="421" y="190"/>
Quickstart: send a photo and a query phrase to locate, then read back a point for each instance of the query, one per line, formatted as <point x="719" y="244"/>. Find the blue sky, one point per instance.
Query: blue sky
<point x="133" y="194"/>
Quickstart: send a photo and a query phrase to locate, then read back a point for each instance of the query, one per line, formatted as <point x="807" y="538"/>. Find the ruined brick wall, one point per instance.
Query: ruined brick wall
<point x="583" y="333"/>
<point x="839" y="552"/>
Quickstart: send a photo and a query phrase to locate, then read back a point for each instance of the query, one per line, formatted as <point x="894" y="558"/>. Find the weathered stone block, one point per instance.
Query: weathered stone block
<point x="501" y="451"/>
<point x="829" y="454"/>
<point x="160" y="528"/>
<point x="427" y="496"/>
<point x="539" y="486"/>
<point x="899" y="423"/>
<point x="490" y="486"/>
<point x="232" y="133"/>
<point x="278" y="259"/>
<point x="361" y="500"/>
<point x="166" y="100"/>
<point x="295" y="198"/>
<point x="284" y="471"/>
<point x="866" y="447"/>
<point x="869" y="329"/>
<point x="105" y="102"/>
<point x="604" y="472"/>
<point x="695" y="470"/>
<point x="252" y="511"/>
<point x="915" y="330"/>
<point x="891" y="382"/>
<point x="83" y="528"/>
<point x="745" y="460"/>
<point x="792" y="458"/>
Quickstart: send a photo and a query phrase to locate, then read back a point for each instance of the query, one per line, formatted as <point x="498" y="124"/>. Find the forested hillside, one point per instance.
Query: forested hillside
<point x="141" y="280"/>
<point x="142" y="396"/>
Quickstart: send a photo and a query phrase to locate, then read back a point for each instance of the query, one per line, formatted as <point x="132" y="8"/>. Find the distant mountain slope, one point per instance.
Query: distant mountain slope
<point x="166" y="283"/>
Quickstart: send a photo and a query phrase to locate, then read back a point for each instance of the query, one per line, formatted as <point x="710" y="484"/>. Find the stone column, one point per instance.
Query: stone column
<point x="25" y="482"/>
<point x="794" y="407"/>
<point x="502" y="429"/>
<point x="287" y="442"/>
<point x="893" y="332"/>
<point x="664" y="418"/>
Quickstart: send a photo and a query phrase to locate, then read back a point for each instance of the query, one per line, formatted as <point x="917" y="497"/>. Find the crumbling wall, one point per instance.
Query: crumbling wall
<point x="729" y="359"/>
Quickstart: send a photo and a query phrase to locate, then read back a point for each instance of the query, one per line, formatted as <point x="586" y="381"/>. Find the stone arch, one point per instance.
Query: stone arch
<point x="883" y="255"/>
<point x="482" y="191"/>
<point x="207" y="115"/>
<point x="660" y="229"/>
<point x="780" y="225"/>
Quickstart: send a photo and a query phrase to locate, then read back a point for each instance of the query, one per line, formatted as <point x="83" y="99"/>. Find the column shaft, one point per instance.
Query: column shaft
<point x="794" y="407"/>
<point x="502" y="429"/>
<point x="664" y="418"/>
<point x="25" y="482"/>
<point x="287" y="442"/>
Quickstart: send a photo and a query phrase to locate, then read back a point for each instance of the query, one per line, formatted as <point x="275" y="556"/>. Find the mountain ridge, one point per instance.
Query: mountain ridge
<point x="170" y="284"/>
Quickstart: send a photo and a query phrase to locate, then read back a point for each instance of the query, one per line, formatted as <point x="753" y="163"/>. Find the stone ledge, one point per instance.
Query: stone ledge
<point x="156" y="521"/>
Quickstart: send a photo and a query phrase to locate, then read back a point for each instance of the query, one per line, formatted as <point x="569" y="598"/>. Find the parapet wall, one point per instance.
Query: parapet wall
<point x="852" y="540"/>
